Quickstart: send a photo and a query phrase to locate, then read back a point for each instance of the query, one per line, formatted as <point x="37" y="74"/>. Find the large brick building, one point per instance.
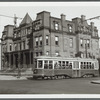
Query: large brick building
<point x="48" y="36"/>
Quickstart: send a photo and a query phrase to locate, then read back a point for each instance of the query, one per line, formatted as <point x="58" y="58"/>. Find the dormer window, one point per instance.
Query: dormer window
<point x="96" y="32"/>
<point x="70" y="28"/>
<point x="56" y="26"/>
<point x="15" y="35"/>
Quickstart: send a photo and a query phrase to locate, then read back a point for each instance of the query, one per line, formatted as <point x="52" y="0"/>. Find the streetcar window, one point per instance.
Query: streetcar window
<point x="82" y="65"/>
<point x="46" y="64"/>
<point x="70" y="65"/>
<point x="59" y="64"/>
<point x="39" y="64"/>
<point x="67" y="65"/>
<point x="87" y="65"/>
<point x="56" y="65"/>
<point x="63" y="65"/>
<point x="50" y="64"/>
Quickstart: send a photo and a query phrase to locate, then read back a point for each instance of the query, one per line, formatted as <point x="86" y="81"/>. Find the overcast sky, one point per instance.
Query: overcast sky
<point x="71" y="10"/>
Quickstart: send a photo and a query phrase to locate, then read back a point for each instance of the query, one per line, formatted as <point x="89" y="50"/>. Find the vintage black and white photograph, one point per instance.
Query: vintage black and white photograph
<point x="49" y="48"/>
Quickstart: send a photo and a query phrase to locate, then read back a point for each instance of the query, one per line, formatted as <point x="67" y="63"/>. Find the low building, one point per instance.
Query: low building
<point x="49" y="36"/>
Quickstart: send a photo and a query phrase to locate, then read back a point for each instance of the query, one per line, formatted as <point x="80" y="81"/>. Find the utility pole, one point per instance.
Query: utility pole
<point x="15" y="18"/>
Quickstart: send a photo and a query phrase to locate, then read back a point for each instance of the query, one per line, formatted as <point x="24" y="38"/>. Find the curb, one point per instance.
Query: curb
<point x="96" y="82"/>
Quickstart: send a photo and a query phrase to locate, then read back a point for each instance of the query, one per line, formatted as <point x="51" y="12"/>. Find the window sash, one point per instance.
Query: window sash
<point x="56" y="40"/>
<point x="71" y="42"/>
<point x="47" y="37"/>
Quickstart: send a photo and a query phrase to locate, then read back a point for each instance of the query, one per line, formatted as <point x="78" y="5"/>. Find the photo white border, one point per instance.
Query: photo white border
<point x="27" y="96"/>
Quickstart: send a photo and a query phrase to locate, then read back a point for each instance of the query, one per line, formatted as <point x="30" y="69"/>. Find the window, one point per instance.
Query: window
<point x="20" y="45"/>
<point x="81" y="42"/>
<point x="28" y="30"/>
<point x="71" y="42"/>
<point x="83" y="28"/>
<point x="48" y="64"/>
<point x="10" y="47"/>
<point x="23" y="44"/>
<point x="97" y="46"/>
<point x="45" y="64"/>
<point x="88" y="43"/>
<point x="39" y="64"/>
<point x="36" y="39"/>
<point x="36" y="53"/>
<point x="15" y="35"/>
<point x="70" y="28"/>
<point x="47" y="39"/>
<point x="47" y="53"/>
<point x="71" y="54"/>
<point x="56" y="40"/>
<point x="28" y="43"/>
<point x="82" y="55"/>
<point x="57" y="53"/>
<point x="86" y="65"/>
<point x="19" y="33"/>
<point x="40" y="40"/>
<point x="56" y="26"/>
<point x="15" y="45"/>
<point x="96" y="33"/>
<point x="40" y="53"/>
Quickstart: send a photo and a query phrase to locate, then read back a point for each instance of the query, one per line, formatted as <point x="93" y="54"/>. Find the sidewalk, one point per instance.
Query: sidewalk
<point x="9" y="77"/>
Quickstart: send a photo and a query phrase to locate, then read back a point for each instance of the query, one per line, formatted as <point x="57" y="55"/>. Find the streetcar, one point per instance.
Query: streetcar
<point x="60" y="67"/>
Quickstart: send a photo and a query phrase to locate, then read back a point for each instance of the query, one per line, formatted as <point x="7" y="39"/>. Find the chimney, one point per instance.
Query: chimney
<point x="83" y="17"/>
<point x="63" y="17"/>
<point x="92" y="24"/>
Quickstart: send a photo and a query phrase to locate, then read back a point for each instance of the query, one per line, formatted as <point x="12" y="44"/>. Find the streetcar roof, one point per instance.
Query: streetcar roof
<point x="63" y="58"/>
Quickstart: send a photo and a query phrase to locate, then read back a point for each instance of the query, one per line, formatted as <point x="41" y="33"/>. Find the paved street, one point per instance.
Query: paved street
<point x="63" y="86"/>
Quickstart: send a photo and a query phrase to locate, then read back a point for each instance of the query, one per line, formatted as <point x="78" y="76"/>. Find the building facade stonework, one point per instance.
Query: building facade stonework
<point x="48" y="36"/>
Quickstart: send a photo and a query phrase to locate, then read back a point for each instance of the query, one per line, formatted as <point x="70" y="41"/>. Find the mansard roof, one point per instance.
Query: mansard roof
<point x="26" y="20"/>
